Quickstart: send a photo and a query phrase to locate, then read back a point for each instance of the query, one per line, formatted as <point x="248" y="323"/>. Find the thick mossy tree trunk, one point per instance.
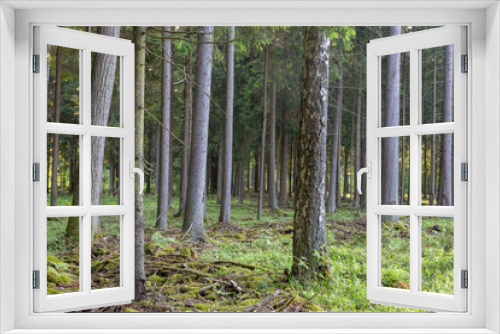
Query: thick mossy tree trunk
<point x="263" y="143"/>
<point x="163" y="159"/>
<point x="390" y="146"/>
<point x="103" y="79"/>
<point x="140" y="64"/>
<point x="309" y="237"/>
<point x="193" y="217"/>
<point x="227" y="148"/>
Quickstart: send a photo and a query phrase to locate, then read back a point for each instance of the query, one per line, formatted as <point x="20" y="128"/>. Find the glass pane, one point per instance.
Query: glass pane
<point x="105" y="171"/>
<point x="63" y="170"/>
<point x="437" y="254"/>
<point x="63" y="85"/>
<point x="437" y="170"/>
<point x="395" y="90"/>
<point x="106" y="253"/>
<point x="105" y="89"/>
<point x="395" y="170"/>
<point x="63" y="255"/>
<point x="437" y="84"/>
<point x="395" y="244"/>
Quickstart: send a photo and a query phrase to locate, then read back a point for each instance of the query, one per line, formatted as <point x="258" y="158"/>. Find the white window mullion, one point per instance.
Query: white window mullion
<point x="415" y="158"/>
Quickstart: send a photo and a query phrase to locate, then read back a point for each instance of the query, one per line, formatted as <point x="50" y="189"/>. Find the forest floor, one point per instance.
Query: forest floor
<point x="245" y="267"/>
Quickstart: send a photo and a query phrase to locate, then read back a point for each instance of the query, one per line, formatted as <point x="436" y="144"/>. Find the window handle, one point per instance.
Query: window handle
<point x="134" y="170"/>
<point x="368" y="171"/>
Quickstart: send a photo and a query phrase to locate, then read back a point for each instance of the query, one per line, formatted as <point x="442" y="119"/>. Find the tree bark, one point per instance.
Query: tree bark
<point x="164" y="158"/>
<point x="219" y="171"/>
<point x="171" y="127"/>
<point x="140" y="64"/>
<point x="73" y="227"/>
<point x="103" y="79"/>
<point x="112" y="162"/>
<point x="193" y="217"/>
<point x="433" y="144"/>
<point x="149" y="159"/>
<point x="263" y="144"/>
<point x="331" y="205"/>
<point x="225" y="208"/>
<point x="271" y="167"/>
<point x="357" y="166"/>
<point x="390" y="157"/>
<point x="241" y="183"/>
<point x="309" y="237"/>
<point x="55" y="137"/>
<point x="403" y="139"/>
<point x="186" y="132"/>
<point x="446" y="198"/>
<point x="283" y="200"/>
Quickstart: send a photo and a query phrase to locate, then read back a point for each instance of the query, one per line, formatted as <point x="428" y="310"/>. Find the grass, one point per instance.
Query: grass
<point x="267" y="244"/>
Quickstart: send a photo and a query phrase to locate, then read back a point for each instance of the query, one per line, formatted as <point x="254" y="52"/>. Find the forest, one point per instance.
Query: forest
<point x="250" y="139"/>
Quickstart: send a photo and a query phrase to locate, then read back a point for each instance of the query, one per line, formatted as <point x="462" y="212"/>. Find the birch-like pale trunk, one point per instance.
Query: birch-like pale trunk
<point x="227" y="148"/>
<point x="193" y="216"/>
<point x="309" y="237"/>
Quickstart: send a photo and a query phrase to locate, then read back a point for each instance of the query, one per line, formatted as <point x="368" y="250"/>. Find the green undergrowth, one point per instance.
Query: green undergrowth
<point x="245" y="267"/>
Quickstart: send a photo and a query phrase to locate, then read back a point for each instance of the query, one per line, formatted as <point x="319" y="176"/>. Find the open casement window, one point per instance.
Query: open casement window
<point x="68" y="123"/>
<point x="416" y="200"/>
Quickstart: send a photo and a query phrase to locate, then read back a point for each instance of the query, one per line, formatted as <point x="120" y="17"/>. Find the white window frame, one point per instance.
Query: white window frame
<point x="85" y="43"/>
<point x="483" y="21"/>
<point x="413" y="44"/>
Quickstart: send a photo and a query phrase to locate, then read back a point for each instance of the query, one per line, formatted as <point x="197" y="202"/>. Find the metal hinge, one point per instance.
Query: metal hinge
<point x="36" y="279"/>
<point x="465" y="279"/>
<point x="36" y="172"/>
<point x="36" y="63"/>
<point x="464" y="171"/>
<point x="465" y="63"/>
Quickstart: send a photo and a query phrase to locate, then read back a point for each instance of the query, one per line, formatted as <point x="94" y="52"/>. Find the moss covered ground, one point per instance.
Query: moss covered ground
<point x="245" y="266"/>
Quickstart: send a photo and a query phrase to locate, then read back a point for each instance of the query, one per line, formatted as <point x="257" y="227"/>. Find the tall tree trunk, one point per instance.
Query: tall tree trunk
<point x="117" y="180"/>
<point x="271" y="167"/>
<point x="73" y="227"/>
<point x="225" y="208"/>
<point x="346" y="173"/>
<point x="263" y="144"/>
<point x="148" y="156"/>
<point x="256" y="177"/>
<point x="241" y="183"/>
<point x="112" y="162"/>
<point x="140" y="64"/>
<point x="219" y="171"/>
<point x="390" y="157"/>
<point x="403" y="138"/>
<point x="164" y="158"/>
<point x="171" y="127"/>
<point x="446" y="139"/>
<point x="331" y="205"/>
<point x="186" y="132"/>
<point x="158" y="157"/>
<point x="358" y="148"/>
<point x="193" y="217"/>
<point x="309" y="237"/>
<point x="103" y="79"/>
<point x="283" y="200"/>
<point x="433" y="145"/>
<point x="55" y="137"/>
